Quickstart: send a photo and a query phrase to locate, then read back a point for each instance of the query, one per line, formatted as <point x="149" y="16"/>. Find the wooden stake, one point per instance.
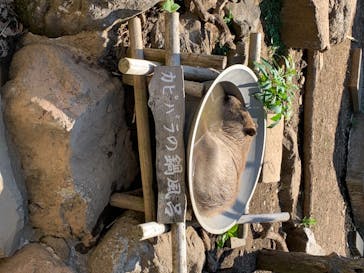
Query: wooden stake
<point x="127" y="201"/>
<point x="136" y="67"/>
<point x="132" y="66"/>
<point x="255" y="45"/>
<point x="179" y="245"/>
<point x="195" y="89"/>
<point x="141" y="112"/>
<point x="151" y="230"/>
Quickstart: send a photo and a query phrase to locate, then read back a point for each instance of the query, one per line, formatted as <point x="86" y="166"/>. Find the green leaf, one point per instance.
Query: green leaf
<point x="221" y="239"/>
<point x="277" y="117"/>
<point x="308" y="221"/>
<point x="170" y="6"/>
<point x="175" y="7"/>
<point x="229" y="17"/>
<point x="273" y="124"/>
<point x="233" y="231"/>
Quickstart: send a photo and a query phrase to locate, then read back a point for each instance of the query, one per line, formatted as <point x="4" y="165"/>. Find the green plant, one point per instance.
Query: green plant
<point x="221" y="50"/>
<point x="228" y="18"/>
<point x="308" y="222"/>
<point x="277" y="87"/>
<point x="170" y="6"/>
<point x="221" y="239"/>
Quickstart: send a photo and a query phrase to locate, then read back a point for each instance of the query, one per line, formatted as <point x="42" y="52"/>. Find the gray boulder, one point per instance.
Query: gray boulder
<point x="65" y="116"/>
<point x="120" y="251"/>
<point x="305" y="24"/>
<point x="12" y="209"/>
<point x="56" y="18"/>
<point x="34" y="258"/>
<point x="246" y="16"/>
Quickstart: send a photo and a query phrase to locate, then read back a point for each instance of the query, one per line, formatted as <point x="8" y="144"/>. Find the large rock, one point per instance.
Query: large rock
<point x="305" y="24"/>
<point x="56" y="18"/>
<point x="341" y="14"/>
<point x="33" y="258"/>
<point x="66" y="118"/>
<point x="326" y="123"/>
<point x="120" y="251"/>
<point x="12" y="209"/>
<point x="246" y="16"/>
<point x="315" y="24"/>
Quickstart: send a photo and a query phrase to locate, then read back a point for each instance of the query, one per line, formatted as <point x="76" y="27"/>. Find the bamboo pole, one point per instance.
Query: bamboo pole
<point x="179" y="244"/>
<point x="136" y="67"/>
<point x="152" y="229"/>
<point x="141" y="112"/>
<point x="195" y="89"/>
<point x="132" y="66"/>
<point x="127" y="201"/>
<point x="264" y="218"/>
<point x="255" y="45"/>
<point x="192" y="59"/>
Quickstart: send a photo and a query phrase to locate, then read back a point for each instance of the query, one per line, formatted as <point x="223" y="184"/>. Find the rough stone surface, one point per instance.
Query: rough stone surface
<point x="246" y="16"/>
<point x="56" y="18"/>
<point x="305" y="24"/>
<point x="271" y="170"/>
<point x="65" y="116"/>
<point x="326" y="120"/>
<point x="207" y="4"/>
<point x="59" y="246"/>
<point x="12" y="210"/>
<point x="195" y="36"/>
<point x="355" y="171"/>
<point x="33" y="258"/>
<point x="341" y="13"/>
<point x="291" y="173"/>
<point x="303" y="240"/>
<point x="121" y="251"/>
<point x="12" y="207"/>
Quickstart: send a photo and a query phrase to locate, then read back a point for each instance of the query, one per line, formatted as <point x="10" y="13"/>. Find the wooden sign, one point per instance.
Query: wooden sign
<point x="167" y="102"/>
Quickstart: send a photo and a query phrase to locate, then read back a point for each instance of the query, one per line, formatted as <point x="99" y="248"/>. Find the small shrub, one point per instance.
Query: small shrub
<point x="170" y="6"/>
<point x="277" y="87"/>
<point x="221" y="239"/>
<point x="228" y="18"/>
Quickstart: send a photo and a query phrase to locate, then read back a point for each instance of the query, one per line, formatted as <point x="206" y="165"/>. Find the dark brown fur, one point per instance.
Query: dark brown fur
<point x="220" y="157"/>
